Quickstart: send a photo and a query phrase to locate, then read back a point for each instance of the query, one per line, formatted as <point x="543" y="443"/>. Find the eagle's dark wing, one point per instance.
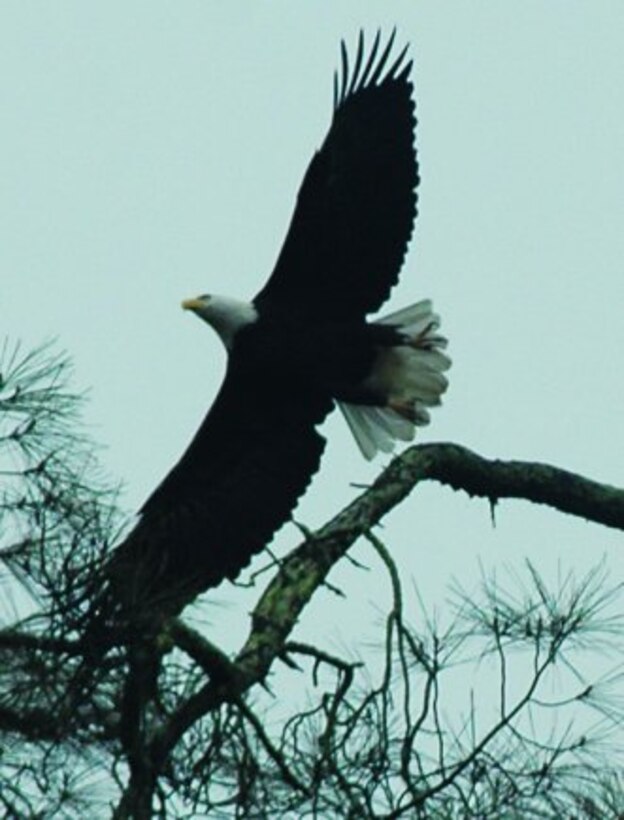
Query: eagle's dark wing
<point x="237" y="483"/>
<point x="356" y="206"/>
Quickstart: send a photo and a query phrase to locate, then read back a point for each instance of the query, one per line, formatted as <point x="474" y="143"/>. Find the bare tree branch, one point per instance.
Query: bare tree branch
<point x="173" y="710"/>
<point x="460" y="468"/>
<point x="304" y="570"/>
<point x="306" y="567"/>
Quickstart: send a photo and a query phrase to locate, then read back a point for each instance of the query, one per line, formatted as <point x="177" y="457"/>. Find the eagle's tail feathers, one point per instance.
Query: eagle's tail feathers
<point x="410" y="376"/>
<point x="370" y="435"/>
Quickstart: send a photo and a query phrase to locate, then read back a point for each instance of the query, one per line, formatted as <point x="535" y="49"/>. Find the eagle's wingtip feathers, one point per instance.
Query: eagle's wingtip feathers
<point x="375" y="71"/>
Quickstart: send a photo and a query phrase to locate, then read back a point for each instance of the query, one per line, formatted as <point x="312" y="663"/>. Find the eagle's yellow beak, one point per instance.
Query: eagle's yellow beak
<point x="192" y="304"/>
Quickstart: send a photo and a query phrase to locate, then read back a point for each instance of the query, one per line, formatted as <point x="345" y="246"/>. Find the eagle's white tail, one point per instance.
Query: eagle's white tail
<point x="411" y="376"/>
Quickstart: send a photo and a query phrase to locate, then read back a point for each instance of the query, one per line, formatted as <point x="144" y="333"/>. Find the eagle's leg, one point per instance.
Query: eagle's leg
<point x="404" y="407"/>
<point x="424" y="340"/>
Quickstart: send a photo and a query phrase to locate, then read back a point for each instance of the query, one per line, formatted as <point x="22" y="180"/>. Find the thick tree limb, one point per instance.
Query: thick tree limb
<point x="462" y="469"/>
<point x="306" y="567"/>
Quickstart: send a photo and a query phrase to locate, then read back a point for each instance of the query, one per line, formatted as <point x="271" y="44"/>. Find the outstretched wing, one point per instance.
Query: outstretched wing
<point x="357" y="203"/>
<point x="236" y="484"/>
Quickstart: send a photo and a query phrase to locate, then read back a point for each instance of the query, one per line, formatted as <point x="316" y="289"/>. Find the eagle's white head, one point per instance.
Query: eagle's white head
<point x="226" y="315"/>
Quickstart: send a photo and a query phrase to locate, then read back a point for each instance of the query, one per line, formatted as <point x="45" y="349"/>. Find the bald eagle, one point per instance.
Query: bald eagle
<point x="300" y="347"/>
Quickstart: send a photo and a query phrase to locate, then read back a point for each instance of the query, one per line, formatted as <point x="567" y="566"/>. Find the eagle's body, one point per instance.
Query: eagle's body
<point x="299" y="347"/>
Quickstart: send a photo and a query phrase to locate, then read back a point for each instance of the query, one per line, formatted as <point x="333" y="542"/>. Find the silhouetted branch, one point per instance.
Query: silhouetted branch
<point x="305" y="568"/>
<point x="492" y="479"/>
<point x="174" y="709"/>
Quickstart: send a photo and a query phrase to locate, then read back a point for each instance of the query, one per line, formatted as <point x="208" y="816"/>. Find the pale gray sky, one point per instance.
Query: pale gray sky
<point x="153" y="150"/>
